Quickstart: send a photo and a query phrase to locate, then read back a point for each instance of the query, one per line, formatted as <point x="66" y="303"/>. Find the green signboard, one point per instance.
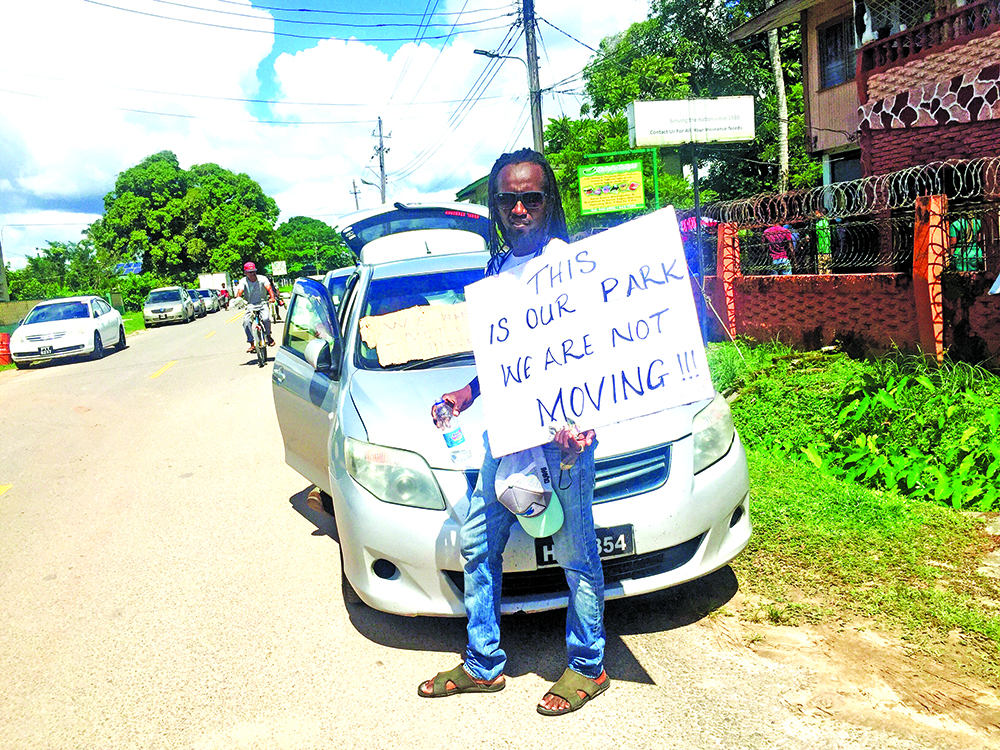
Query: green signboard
<point x="611" y="187"/>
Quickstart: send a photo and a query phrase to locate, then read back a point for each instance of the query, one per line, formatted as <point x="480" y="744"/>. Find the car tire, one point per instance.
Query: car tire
<point x="351" y="597"/>
<point x="120" y="346"/>
<point x="98" y="347"/>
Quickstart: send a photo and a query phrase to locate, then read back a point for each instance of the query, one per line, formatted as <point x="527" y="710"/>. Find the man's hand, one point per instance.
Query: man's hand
<point x="573" y="443"/>
<point x="459" y="400"/>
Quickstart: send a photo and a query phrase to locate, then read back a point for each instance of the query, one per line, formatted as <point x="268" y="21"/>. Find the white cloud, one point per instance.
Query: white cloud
<point x="65" y="132"/>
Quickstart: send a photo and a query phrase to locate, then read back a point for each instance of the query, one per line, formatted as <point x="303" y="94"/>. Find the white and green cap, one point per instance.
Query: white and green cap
<point x="524" y="487"/>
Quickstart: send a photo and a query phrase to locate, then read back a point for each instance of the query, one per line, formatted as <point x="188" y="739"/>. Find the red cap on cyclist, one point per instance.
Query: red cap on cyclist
<point x="249" y="267"/>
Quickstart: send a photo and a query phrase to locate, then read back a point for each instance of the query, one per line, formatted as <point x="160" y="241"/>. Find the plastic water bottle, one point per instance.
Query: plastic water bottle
<point x="454" y="439"/>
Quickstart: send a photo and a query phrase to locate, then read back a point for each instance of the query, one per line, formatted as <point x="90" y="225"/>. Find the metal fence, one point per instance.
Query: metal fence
<point x="862" y="226"/>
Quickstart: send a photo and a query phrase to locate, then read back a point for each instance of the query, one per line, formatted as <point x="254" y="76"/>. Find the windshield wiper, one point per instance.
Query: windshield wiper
<point x="444" y="359"/>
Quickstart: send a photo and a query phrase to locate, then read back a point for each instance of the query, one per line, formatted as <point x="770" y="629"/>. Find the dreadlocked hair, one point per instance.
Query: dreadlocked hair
<point x="555" y="219"/>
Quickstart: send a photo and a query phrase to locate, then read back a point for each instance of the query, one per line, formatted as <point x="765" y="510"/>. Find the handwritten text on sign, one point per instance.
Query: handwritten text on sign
<point x="596" y="332"/>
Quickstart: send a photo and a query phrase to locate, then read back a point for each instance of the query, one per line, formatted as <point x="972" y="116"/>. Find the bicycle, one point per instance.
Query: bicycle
<point x="259" y="335"/>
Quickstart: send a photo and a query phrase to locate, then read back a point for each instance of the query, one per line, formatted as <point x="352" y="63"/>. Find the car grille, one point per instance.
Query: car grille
<point x="552" y="580"/>
<point x="624" y="475"/>
<point x="45" y="336"/>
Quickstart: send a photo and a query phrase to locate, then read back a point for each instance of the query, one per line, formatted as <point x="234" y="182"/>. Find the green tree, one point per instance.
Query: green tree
<point x="304" y="242"/>
<point x="180" y="223"/>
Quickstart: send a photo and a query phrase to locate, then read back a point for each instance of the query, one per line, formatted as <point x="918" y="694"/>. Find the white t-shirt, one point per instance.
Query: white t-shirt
<point x="254" y="292"/>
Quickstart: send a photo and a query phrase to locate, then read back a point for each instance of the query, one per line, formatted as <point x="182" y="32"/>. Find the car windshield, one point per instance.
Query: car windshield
<point x="164" y="295"/>
<point x="204" y="293"/>
<point x="409" y="322"/>
<point x="364" y="231"/>
<point x="61" y="311"/>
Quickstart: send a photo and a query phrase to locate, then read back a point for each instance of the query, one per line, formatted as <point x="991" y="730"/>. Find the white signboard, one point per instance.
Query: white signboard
<point x="278" y="268"/>
<point x="670" y="123"/>
<point x="596" y="332"/>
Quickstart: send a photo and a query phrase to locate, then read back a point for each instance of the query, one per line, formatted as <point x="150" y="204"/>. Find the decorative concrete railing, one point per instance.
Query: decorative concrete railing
<point x="966" y="22"/>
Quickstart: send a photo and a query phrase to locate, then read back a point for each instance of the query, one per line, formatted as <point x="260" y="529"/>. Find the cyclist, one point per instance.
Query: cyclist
<point x="257" y="291"/>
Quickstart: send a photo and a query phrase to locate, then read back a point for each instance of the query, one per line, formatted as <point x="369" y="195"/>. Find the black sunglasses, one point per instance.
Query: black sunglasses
<point x="531" y="201"/>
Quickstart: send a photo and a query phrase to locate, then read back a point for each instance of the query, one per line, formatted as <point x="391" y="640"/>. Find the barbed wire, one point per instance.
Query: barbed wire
<point x="959" y="179"/>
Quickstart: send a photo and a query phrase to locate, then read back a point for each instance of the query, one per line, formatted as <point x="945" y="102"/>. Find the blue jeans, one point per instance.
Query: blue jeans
<point x="484" y="536"/>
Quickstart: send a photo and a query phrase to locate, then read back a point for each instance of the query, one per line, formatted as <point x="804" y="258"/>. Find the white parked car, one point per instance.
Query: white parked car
<point x="67" y="327"/>
<point x="672" y="489"/>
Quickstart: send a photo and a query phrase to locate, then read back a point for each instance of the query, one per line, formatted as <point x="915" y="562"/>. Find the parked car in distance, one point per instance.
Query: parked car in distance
<point x="67" y="327"/>
<point x="671" y="502"/>
<point x="199" y="303"/>
<point x="167" y="304"/>
<point x="335" y="282"/>
<point x="210" y="299"/>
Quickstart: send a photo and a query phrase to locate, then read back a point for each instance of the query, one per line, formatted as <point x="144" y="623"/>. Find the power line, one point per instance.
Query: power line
<point x="422" y="24"/>
<point x="277" y="33"/>
<point x="231" y="98"/>
<point x="355" y="13"/>
<point x="178" y="115"/>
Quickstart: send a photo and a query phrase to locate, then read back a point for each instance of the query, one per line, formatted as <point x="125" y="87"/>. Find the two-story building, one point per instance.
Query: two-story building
<point x="890" y="84"/>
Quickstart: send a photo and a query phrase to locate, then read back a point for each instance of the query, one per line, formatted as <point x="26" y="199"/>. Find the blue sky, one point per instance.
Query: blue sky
<point x="91" y="87"/>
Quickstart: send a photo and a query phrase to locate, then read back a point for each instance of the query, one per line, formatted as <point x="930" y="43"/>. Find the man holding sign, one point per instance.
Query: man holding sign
<point x="527" y="217"/>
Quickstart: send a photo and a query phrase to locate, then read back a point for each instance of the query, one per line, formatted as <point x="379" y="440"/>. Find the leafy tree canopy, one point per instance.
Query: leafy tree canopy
<point x="180" y="223"/>
<point x="306" y="243"/>
<point x="682" y="51"/>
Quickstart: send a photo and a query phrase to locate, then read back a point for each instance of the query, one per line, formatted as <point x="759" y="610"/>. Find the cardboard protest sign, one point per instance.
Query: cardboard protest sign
<point x="421" y="332"/>
<point x="596" y="332"/>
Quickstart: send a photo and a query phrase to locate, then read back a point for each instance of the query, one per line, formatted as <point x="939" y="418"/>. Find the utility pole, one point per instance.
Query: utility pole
<point x="355" y="192"/>
<point x="4" y="293"/>
<point x="534" y="92"/>
<point x="382" y="151"/>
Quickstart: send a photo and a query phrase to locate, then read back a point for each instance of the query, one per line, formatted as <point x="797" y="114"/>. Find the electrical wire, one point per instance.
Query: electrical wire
<point x="461" y="112"/>
<point x="354" y="13"/>
<point x="203" y="117"/>
<point x="424" y="23"/>
<point x="279" y="33"/>
<point x="233" y="98"/>
<point x="428" y="13"/>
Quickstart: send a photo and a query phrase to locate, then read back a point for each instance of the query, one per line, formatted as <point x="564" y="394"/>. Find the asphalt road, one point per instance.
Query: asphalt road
<point x="163" y="585"/>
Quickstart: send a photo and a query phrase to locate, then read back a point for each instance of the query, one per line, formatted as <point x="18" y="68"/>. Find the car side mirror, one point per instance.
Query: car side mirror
<point x="324" y="356"/>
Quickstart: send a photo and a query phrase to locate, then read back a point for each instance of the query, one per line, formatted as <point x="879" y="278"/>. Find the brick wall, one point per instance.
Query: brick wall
<point x="867" y="312"/>
<point x="935" y="67"/>
<point x="892" y="150"/>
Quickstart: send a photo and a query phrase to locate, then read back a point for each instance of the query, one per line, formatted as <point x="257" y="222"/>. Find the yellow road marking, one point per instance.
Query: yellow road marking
<point x="163" y="369"/>
<point x="209" y="335"/>
<point x="4" y="488"/>
<point x="237" y="316"/>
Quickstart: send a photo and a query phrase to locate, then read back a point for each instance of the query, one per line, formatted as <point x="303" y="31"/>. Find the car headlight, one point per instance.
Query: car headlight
<point x="714" y="433"/>
<point x="393" y="476"/>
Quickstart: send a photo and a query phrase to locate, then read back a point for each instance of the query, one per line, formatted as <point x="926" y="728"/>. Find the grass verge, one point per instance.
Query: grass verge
<point x="825" y="548"/>
<point x="133" y="321"/>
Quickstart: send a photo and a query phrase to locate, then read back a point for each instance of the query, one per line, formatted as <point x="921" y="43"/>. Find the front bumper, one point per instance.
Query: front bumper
<point x="164" y="317"/>
<point x="31" y="351"/>
<point x="683" y="530"/>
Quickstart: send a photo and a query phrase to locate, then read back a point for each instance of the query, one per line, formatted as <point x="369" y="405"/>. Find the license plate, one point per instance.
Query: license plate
<point x="45" y="350"/>
<point x="615" y="541"/>
<point x="162" y="316"/>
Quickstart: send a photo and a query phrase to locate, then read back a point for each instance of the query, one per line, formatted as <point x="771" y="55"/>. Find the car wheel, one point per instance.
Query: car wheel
<point x="98" y="346"/>
<point x="350" y="595"/>
<point x="121" y="338"/>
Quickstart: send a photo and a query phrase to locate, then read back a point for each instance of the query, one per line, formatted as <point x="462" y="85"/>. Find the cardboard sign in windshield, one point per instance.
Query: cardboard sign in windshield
<point x="417" y="333"/>
<point x="597" y="332"/>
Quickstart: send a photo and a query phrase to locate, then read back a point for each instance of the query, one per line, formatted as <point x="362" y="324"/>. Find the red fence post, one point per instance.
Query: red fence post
<point x="728" y="269"/>
<point x="930" y="238"/>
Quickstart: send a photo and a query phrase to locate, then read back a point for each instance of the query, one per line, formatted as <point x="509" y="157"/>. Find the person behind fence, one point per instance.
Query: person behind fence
<point x="823" y="241"/>
<point x="257" y="291"/>
<point x="965" y="236"/>
<point x="527" y="215"/>
<point x="778" y="241"/>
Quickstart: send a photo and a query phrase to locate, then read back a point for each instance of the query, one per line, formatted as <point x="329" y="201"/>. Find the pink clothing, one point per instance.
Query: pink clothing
<point x="778" y="241"/>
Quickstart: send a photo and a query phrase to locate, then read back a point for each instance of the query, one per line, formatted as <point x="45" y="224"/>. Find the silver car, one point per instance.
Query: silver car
<point x="209" y="298"/>
<point x="199" y="304"/>
<point x="168" y="304"/>
<point x="672" y="494"/>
